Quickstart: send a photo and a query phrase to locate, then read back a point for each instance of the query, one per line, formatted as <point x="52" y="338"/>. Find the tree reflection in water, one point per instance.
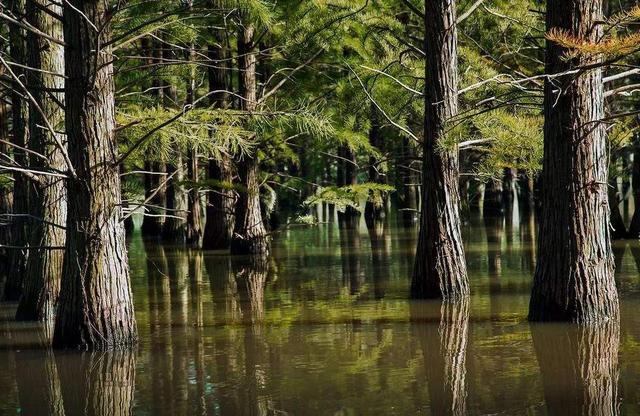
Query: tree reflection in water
<point x="579" y="367"/>
<point x="97" y="383"/>
<point x="444" y="348"/>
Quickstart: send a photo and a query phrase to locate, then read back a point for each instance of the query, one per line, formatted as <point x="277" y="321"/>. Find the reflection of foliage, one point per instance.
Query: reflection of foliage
<point x="350" y="196"/>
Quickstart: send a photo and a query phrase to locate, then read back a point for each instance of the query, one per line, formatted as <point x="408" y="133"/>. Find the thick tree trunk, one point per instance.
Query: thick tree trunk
<point x="220" y="209"/>
<point x="375" y="209"/>
<point x="492" y="202"/>
<point x="249" y="234"/>
<point x="20" y="118"/>
<point x="49" y="196"/>
<point x="579" y="367"/>
<point x="95" y="308"/>
<point x="574" y="275"/>
<point x="444" y="350"/>
<point x="440" y="270"/>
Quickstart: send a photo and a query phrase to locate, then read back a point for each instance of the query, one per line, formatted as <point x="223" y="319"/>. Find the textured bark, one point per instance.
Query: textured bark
<point x="574" y="276"/>
<point x="220" y="209"/>
<point x="20" y="119"/>
<point x="97" y="384"/>
<point x="49" y="196"/>
<point x="249" y="234"/>
<point x="440" y="270"/>
<point x="444" y="350"/>
<point x="579" y="367"/>
<point x="95" y="308"/>
<point x="376" y="209"/>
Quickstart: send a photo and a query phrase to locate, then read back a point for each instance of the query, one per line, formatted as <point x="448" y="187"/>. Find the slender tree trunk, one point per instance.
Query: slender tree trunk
<point x="6" y="198"/>
<point x="95" y="308"/>
<point x="407" y="180"/>
<point x="634" y="227"/>
<point x="493" y="194"/>
<point x="174" y="228"/>
<point x="347" y="176"/>
<point x="220" y="215"/>
<point x="195" y="219"/>
<point x="49" y="199"/>
<point x="440" y="270"/>
<point x="20" y="118"/>
<point x="527" y="197"/>
<point x="618" y="229"/>
<point x="249" y="234"/>
<point x="574" y="274"/>
<point x="375" y="209"/>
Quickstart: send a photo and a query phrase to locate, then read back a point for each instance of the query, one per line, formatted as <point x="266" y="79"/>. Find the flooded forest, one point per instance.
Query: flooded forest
<point x="331" y="207"/>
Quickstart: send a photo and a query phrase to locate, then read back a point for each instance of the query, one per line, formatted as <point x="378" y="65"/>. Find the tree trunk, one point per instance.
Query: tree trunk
<point x="20" y="114"/>
<point x="618" y="229"/>
<point x="634" y="227"/>
<point x="6" y="198"/>
<point x="440" y="270"/>
<point x="347" y="176"/>
<point x="249" y="234"/>
<point x="95" y="308"/>
<point x="220" y="215"/>
<point x="492" y="203"/>
<point x="375" y="209"/>
<point x="407" y="184"/>
<point x="49" y="199"/>
<point x="526" y="186"/>
<point x="574" y="274"/>
<point x="584" y="361"/>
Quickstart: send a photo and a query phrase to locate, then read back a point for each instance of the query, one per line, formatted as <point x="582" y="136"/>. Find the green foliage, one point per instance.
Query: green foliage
<point x="349" y="196"/>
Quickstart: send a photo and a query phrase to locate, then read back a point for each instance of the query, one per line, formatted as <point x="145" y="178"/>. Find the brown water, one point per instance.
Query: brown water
<point x="325" y="327"/>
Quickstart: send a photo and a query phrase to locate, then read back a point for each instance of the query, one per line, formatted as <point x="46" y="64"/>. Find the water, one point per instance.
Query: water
<point x="325" y="327"/>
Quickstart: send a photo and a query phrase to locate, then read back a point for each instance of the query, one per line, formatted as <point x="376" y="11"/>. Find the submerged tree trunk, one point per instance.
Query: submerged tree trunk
<point x="375" y="209"/>
<point x="440" y="270"/>
<point x="347" y="176"/>
<point x="634" y="227"/>
<point x="49" y="196"/>
<point x="155" y="195"/>
<point x="574" y="274"/>
<point x="20" y="118"/>
<point x="6" y="198"/>
<point x="249" y="233"/>
<point x="220" y="217"/>
<point x="95" y="308"/>
<point x="407" y="184"/>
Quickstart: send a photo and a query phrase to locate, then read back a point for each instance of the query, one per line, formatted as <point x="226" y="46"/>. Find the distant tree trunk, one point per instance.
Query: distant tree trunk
<point x="6" y="197"/>
<point x="618" y="229"/>
<point x="375" y="210"/>
<point x="380" y="258"/>
<point x="407" y="184"/>
<point x="195" y="226"/>
<point x="585" y="360"/>
<point x="634" y="227"/>
<point x="508" y="187"/>
<point x="174" y="228"/>
<point x="153" y="219"/>
<point x="493" y="194"/>
<point x="249" y="234"/>
<point x="574" y="274"/>
<point x="20" y="119"/>
<point x="220" y="216"/>
<point x="440" y="270"/>
<point x="526" y="186"/>
<point x="49" y="199"/>
<point x="95" y="308"/>
<point x="444" y="350"/>
<point x="347" y="176"/>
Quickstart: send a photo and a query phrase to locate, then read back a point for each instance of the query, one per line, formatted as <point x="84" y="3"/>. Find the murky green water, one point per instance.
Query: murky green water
<point x="325" y="327"/>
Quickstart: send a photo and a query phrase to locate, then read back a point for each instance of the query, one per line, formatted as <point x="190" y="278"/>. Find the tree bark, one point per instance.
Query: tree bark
<point x="95" y="308"/>
<point x="440" y="270"/>
<point x="579" y="367"/>
<point x="20" y="119"/>
<point x="220" y="216"/>
<point x="249" y="234"/>
<point x="49" y="197"/>
<point x="574" y="275"/>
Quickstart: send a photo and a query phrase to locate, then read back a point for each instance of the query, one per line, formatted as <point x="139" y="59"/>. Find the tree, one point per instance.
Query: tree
<point x="95" y="308"/>
<point x="440" y="269"/>
<point x="574" y="278"/>
<point x="49" y="196"/>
